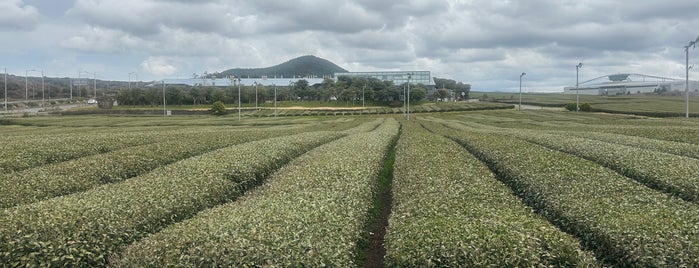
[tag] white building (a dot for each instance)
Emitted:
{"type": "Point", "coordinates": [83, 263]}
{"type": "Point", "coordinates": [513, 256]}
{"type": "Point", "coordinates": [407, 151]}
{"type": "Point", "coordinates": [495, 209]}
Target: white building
{"type": "Point", "coordinates": [227, 82]}
{"type": "Point", "coordinates": [621, 84]}
{"type": "Point", "coordinates": [397, 77]}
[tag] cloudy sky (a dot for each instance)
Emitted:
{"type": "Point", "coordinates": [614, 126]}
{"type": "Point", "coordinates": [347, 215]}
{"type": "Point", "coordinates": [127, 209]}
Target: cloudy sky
{"type": "Point", "coordinates": [486, 43]}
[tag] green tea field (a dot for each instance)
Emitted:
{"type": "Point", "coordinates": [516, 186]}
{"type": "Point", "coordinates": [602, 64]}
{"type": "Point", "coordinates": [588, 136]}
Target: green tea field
{"type": "Point", "coordinates": [501, 188]}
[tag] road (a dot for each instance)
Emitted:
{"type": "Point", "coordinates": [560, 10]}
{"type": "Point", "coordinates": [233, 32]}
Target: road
{"type": "Point", "coordinates": [37, 110]}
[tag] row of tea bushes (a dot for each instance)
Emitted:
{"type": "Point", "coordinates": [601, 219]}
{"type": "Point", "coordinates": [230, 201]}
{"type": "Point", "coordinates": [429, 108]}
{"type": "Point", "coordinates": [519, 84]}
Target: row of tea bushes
{"type": "Point", "coordinates": [20, 153]}
{"type": "Point", "coordinates": [449, 210]}
{"type": "Point", "coordinates": [670, 147]}
{"type": "Point", "coordinates": [621, 220]}
{"type": "Point", "coordinates": [81, 174]}
{"type": "Point", "coordinates": [84, 229]}
{"type": "Point", "coordinates": [308, 214]}
{"type": "Point", "coordinates": [671, 173]}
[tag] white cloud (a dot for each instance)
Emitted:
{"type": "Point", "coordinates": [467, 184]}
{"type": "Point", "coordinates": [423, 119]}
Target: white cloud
{"type": "Point", "coordinates": [16, 16]}
{"type": "Point", "coordinates": [158, 66]}
{"type": "Point", "coordinates": [482, 42]}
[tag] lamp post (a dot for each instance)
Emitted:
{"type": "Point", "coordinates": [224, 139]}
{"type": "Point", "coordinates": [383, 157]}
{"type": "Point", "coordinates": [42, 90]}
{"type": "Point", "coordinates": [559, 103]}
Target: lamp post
{"type": "Point", "coordinates": [239, 99]}
{"type": "Point", "coordinates": [26, 90]}
{"type": "Point", "coordinates": [520, 90]}
{"type": "Point", "coordinates": [42, 88]}
{"type": "Point", "coordinates": [164, 109]}
{"type": "Point", "coordinates": [577, 95]}
{"type": "Point", "coordinates": [5, 89]}
{"type": "Point", "coordinates": [130, 74]}
{"type": "Point", "coordinates": [405, 103]}
{"type": "Point", "coordinates": [408, 98]}
{"type": "Point", "coordinates": [94, 82]}
{"type": "Point", "coordinates": [256, 94]}
{"type": "Point", "coordinates": [80, 81]}
{"type": "Point", "coordinates": [692, 44]}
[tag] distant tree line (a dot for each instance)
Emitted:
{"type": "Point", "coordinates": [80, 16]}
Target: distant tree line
{"type": "Point", "coordinates": [345, 89]}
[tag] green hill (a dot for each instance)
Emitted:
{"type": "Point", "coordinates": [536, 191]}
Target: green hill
{"type": "Point", "coordinates": [304, 66]}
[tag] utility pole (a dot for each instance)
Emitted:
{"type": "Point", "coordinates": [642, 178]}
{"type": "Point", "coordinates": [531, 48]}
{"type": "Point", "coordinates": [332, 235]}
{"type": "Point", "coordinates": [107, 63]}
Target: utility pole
{"type": "Point", "coordinates": [42, 88]}
{"type": "Point", "coordinates": [577, 95]}
{"type": "Point", "coordinates": [408, 98]}
{"type": "Point", "coordinates": [5, 89]}
{"type": "Point", "coordinates": [520, 90]}
{"type": "Point", "coordinates": [363, 106]}
{"type": "Point", "coordinates": [239, 99]}
{"type": "Point", "coordinates": [692, 44]}
{"type": "Point", "coordinates": [164, 109]}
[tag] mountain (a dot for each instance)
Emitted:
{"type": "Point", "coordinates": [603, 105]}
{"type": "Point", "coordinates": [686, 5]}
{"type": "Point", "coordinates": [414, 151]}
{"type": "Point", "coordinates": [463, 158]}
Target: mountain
{"type": "Point", "coordinates": [303, 66]}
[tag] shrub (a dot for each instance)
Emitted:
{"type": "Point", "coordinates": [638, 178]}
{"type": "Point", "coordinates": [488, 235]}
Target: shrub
{"type": "Point", "coordinates": [585, 107]}
{"type": "Point", "coordinates": [218, 108]}
{"type": "Point", "coordinates": [570, 106]}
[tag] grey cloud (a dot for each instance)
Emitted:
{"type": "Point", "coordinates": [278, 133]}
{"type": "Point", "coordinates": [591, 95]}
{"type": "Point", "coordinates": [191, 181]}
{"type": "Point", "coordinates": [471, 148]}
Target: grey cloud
{"type": "Point", "coordinates": [478, 41]}
{"type": "Point", "coordinates": [17, 16]}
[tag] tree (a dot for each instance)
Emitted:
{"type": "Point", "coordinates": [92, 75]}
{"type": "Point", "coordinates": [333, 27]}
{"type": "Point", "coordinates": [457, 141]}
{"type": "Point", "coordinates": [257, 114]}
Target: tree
{"type": "Point", "coordinates": [458, 88]}
{"type": "Point", "coordinates": [441, 94]}
{"type": "Point", "coordinates": [218, 95]}
{"type": "Point", "coordinates": [418, 93]}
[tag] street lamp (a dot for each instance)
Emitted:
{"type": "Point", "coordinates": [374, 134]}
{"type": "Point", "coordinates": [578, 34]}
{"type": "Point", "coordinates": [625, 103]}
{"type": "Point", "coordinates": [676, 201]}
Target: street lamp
{"type": "Point", "coordinates": [26, 90]}
{"type": "Point", "coordinates": [275, 99]}
{"type": "Point", "coordinates": [130, 74]}
{"type": "Point", "coordinates": [256, 94]}
{"type": "Point", "coordinates": [692, 44]}
{"type": "Point", "coordinates": [42, 88]}
{"type": "Point", "coordinates": [364, 87]}
{"type": "Point", "coordinates": [164, 109]}
{"type": "Point", "coordinates": [5, 89]}
{"type": "Point", "coordinates": [408, 98]}
{"type": "Point", "coordinates": [577, 96]}
{"type": "Point", "coordinates": [239, 98]}
{"type": "Point", "coordinates": [520, 90]}
{"type": "Point", "coordinates": [94, 82]}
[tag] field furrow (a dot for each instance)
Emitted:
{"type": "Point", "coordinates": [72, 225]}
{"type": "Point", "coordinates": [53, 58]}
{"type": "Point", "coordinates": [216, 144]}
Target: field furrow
{"type": "Point", "coordinates": [449, 210]}
{"type": "Point", "coordinates": [621, 220]}
{"type": "Point", "coordinates": [84, 229]}
{"type": "Point", "coordinates": [310, 213]}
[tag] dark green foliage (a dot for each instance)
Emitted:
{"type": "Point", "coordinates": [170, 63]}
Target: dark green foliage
{"type": "Point", "coordinates": [457, 87]}
{"type": "Point", "coordinates": [417, 94]}
{"type": "Point", "coordinates": [441, 94]}
{"type": "Point", "coordinates": [585, 107]}
{"type": "Point", "coordinates": [218, 108]}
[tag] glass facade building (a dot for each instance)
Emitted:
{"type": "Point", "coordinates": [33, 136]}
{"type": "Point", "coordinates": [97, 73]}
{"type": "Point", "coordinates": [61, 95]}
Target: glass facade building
{"type": "Point", "coordinates": [398, 77]}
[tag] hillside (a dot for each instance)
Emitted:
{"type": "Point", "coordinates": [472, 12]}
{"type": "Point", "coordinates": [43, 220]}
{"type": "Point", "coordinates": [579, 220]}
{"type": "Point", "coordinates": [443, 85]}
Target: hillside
{"type": "Point", "coordinates": [302, 66]}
